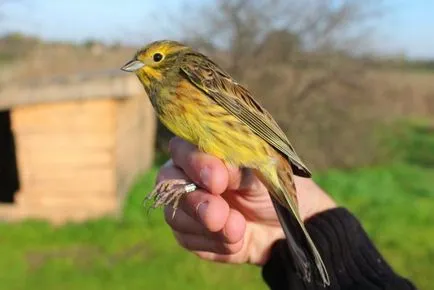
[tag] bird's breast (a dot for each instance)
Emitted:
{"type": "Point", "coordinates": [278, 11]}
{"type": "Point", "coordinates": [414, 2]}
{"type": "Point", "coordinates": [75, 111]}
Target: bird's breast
{"type": "Point", "coordinates": [192, 115]}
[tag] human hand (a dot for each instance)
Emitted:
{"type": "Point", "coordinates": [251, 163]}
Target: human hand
{"type": "Point", "coordinates": [231, 217]}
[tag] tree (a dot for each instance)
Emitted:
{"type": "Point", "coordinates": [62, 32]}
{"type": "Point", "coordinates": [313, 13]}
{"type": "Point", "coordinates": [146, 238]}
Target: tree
{"type": "Point", "coordinates": [297, 32]}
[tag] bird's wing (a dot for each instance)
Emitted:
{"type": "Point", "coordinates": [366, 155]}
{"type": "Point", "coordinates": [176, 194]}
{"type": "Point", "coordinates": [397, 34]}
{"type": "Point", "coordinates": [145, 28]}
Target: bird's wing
{"type": "Point", "coordinates": [218, 85]}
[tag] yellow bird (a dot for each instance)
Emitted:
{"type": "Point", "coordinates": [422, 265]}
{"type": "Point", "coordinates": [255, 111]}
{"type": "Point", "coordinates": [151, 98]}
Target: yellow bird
{"type": "Point", "coordinates": [201, 103]}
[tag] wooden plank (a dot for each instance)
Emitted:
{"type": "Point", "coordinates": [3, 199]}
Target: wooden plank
{"type": "Point", "coordinates": [80, 181]}
{"type": "Point", "coordinates": [101, 86]}
{"type": "Point", "coordinates": [48, 111]}
{"type": "Point", "coordinates": [34, 194]}
{"type": "Point", "coordinates": [54, 170]}
{"type": "Point", "coordinates": [68, 202]}
{"type": "Point", "coordinates": [84, 154]}
{"type": "Point", "coordinates": [28, 165]}
{"type": "Point", "coordinates": [92, 172]}
{"type": "Point", "coordinates": [65, 141]}
{"type": "Point", "coordinates": [58, 186]}
{"type": "Point", "coordinates": [89, 180]}
{"type": "Point", "coordinates": [68, 117]}
{"type": "Point", "coordinates": [95, 181]}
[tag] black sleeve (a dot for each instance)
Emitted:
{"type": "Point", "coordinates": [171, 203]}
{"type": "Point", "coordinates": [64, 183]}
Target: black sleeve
{"type": "Point", "coordinates": [351, 259]}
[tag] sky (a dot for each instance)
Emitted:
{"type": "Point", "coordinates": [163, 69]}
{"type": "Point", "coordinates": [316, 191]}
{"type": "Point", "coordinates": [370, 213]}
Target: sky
{"type": "Point", "coordinates": [406, 28]}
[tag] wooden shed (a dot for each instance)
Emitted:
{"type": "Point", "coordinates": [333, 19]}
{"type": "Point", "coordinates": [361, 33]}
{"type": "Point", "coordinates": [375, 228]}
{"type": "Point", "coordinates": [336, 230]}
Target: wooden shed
{"type": "Point", "coordinates": [71, 147]}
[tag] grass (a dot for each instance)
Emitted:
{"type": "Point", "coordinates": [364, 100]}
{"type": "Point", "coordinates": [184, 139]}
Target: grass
{"type": "Point", "coordinates": [395, 203]}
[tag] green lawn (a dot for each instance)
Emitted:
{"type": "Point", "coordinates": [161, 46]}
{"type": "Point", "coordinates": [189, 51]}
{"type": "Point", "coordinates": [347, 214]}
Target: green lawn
{"type": "Point", "coordinates": [395, 204]}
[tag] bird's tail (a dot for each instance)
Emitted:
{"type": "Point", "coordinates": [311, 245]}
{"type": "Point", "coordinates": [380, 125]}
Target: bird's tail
{"type": "Point", "coordinates": [301, 247]}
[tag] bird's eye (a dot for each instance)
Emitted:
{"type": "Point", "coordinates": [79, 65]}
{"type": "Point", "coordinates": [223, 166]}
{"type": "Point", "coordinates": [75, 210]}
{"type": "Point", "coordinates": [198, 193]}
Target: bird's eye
{"type": "Point", "coordinates": [157, 57]}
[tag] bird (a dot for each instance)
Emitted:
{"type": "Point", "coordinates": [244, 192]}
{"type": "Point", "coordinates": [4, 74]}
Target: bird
{"type": "Point", "coordinates": [201, 103]}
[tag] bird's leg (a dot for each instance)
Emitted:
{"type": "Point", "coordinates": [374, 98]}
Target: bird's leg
{"type": "Point", "coordinates": [169, 191]}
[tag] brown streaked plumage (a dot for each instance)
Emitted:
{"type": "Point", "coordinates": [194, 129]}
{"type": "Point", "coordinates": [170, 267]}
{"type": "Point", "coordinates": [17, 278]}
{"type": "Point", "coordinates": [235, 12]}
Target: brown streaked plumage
{"type": "Point", "coordinates": [201, 103]}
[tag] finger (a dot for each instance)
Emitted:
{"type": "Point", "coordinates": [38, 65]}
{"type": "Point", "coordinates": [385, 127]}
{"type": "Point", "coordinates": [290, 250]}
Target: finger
{"type": "Point", "coordinates": [182, 222]}
{"type": "Point", "coordinates": [244, 179]}
{"type": "Point", "coordinates": [235, 227]}
{"type": "Point", "coordinates": [232, 232]}
{"type": "Point", "coordinates": [202, 243]}
{"type": "Point", "coordinates": [209, 210]}
{"type": "Point", "coordinates": [204, 169]}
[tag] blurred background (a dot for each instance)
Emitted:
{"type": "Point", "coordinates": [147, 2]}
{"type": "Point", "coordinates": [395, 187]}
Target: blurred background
{"type": "Point", "coordinates": [351, 83]}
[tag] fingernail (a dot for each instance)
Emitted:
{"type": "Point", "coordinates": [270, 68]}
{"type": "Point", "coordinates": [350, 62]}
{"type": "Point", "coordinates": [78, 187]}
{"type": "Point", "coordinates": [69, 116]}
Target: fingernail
{"type": "Point", "coordinates": [201, 209]}
{"type": "Point", "coordinates": [205, 175]}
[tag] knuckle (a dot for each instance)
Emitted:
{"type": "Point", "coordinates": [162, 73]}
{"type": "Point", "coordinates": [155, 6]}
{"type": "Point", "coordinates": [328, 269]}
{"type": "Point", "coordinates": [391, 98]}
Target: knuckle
{"type": "Point", "coordinates": [228, 249]}
{"type": "Point", "coordinates": [191, 203]}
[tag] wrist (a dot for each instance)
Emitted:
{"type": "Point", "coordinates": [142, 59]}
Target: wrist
{"type": "Point", "coordinates": [259, 242]}
{"type": "Point", "coordinates": [312, 199]}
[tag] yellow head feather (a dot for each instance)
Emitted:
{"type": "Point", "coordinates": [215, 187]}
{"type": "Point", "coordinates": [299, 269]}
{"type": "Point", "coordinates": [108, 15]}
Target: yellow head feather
{"type": "Point", "coordinates": [164, 47]}
{"type": "Point", "coordinates": [155, 59]}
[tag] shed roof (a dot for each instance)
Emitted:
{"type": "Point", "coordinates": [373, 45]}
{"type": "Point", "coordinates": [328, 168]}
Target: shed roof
{"type": "Point", "coordinates": [89, 85]}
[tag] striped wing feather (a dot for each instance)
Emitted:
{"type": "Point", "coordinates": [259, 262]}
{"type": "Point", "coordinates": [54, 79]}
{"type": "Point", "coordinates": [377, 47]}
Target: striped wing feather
{"type": "Point", "coordinates": [219, 86]}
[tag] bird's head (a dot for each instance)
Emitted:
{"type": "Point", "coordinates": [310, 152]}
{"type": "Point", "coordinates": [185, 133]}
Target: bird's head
{"type": "Point", "coordinates": [152, 62]}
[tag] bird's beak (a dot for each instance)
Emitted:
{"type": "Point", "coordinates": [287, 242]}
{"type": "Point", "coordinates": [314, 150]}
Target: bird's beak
{"type": "Point", "coordinates": [132, 66]}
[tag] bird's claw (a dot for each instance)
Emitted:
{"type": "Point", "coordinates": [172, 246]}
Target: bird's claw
{"type": "Point", "coordinates": [169, 192]}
